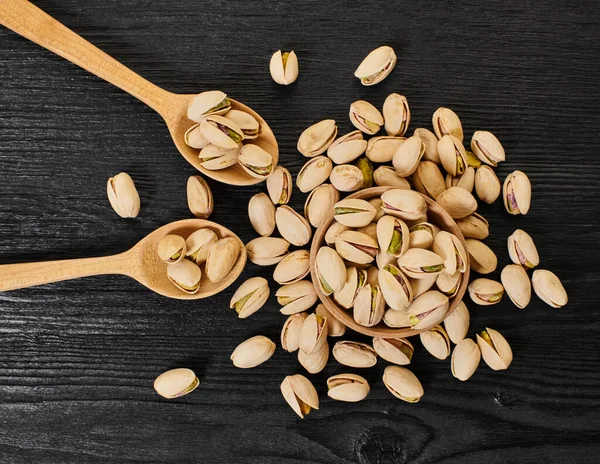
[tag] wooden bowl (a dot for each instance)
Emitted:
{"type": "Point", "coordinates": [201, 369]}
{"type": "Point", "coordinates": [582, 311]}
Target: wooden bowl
{"type": "Point", "coordinates": [436, 215]}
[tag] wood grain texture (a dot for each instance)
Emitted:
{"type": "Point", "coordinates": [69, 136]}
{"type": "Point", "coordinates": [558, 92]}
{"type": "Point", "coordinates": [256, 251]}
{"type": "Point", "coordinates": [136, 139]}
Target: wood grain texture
{"type": "Point", "coordinates": [77, 359]}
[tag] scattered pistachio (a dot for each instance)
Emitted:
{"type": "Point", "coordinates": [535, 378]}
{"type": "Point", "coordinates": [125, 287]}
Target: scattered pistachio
{"type": "Point", "coordinates": [176, 383]}
{"type": "Point", "coordinates": [199, 197]}
{"type": "Point", "coordinates": [123, 196]}
{"type": "Point", "coordinates": [284, 67]}
{"type": "Point", "coordinates": [376, 66]}
{"type": "Point", "coordinates": [252, 352]}
{"type": "Point", "coordinates": [548, 287]}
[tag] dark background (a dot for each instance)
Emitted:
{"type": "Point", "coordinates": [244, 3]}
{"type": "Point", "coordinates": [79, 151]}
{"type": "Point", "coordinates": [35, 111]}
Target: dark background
{"type": "Point", "coordinates": [77, 359]}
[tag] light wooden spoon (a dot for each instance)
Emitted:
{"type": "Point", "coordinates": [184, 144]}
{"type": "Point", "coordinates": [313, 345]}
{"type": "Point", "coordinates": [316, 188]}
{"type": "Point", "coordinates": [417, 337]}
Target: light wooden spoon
{"type": "Point", "coordinates": [140, 263]}
{"type": "Point", "coordinates": [26, 19]}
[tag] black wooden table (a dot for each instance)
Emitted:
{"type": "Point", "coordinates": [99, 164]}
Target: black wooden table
{"type": "Point", "coordinates": [77, 359]}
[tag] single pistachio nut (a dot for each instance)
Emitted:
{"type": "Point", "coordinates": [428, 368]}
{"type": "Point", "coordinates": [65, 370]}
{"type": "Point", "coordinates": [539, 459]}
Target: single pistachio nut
{"type": "Point", "coordinates": [465, 359]}
{"type": "Point", "coordinates": [452, 251]}
{"type": "Point", "coordinates": [381, 149]}
{"type": "Point", "coordinates": [395, 350]}
{"type": "Point", "coordinates": [292, 268]}
{"type": "Point", "coordinates": [355, 281]}
{"type": "Point", "coordinates": [376, 66]}
{"type": "Point", "coordinates": [335, 328]}
{"type": "Point", "coordinates": [346, 178]}
{"type": "Point", "coordinates": [300, 394]}
{"type": "Point", "coordinates": [422, 235]}
{"type": "Point", "coordinates": [221, 258]}
{"type": "Point", "coordinates": [296, 297]}
{"type": "Point", "coordinates": [395, 287]}
{"type": "Point", "coordinates": [377, 203]}
{"type": "Point", "coordinates": [369, 306]}
{"type": "Point", "coordinates": [365, 117]}
{"type": "Point", "coordinates": [449, 284]}
{"type": "Point", "coordinates": [366, 168]}
{"type": "Point", "coordinates": [320, 203]}
{"type": "Point", "coordinates": [317, 138]}
{"type": "Point", "coordinates": [487, 148]}
{"type": "Point", "coordinates": [350, 388]}
{"type": "Point", "coordinates": [333, 231]}
{"type": "Point", "coordinates": [255, 161]}
{"type": "Point", "coordinates": [372, 275]}
{"type": "Point", "coordinates": [123, 196]}
{"type": "Point", "coordinates": [347, 148]}
{"type": "Point", "coordinates": [431, 141]}
{"type": "Point", "coordinates": [428, 179]}
{"type": "Point", "coordinates": [403, 384]}
{"type": "Point", "coordinates": [396, 319]}
{"type": "Point", "coordinates": [418, 263]}
{"type": "Point", "coordinates": [176, 383]}
{"type": "Point", "coordinates": [452, 155]}
{"type": "Point", "coordinates": [330, 270]}
{"type": "Point", "coordinates": [516, 285]}
{"type": "Point", "coordinates": [353, 212]}
{"type": "Point", "coordinates": [446, 122]}
{"type": "Point", "coordinates": [474, 226]}
{"type": "Point", "coordinates": [522, 250]}
{"type": "Point", "coordinates": [356, 247]}
{"type": "Point", "coordinates": [250, 296]}
{"type": "Point", "coordinates": [485, 292]}
{"type": "Point", "coordinates": [193, 137]}
{"type": "Point", "coordinates": [472, 160]}
{"type": "Point", "coordinates": [205, 103]}
{"type": "Point", "coordinates": [407, 157]}
{"type": "Point", "coordinates": [404, 204]}
{"type": "Point", "coordinates": [313, 334]}
{"type": "Point", "coordinates": [284, 67]}
{"type": "Point", "coordinates": [266, 251]}
{"type": "Point", "coordinates": [396, 114]}
{"type": "Point", "coordinates": [457, 323]}
{"type": "Point", "coordinates": [292, 227]}
{"type": "Point", "coordinates": [199, 243]}
{"type": "Point", "coordinates": [393, 235]}
{"type": "Point", "coordinates": [261, 213]}
{"type": "Point", "coordinates": [199, 197]}
{"type": "Point", "coordinates": [428, 310]}
{"type": "Point", "coordinates": [252, 352]}
{"type": "Point", "coordinates": [290, 332]}
{"type": "Point", "coordinates": [548, 287]}
{"type": "Point", "coordinates": [487, 184]}
{"type": "Point", "coordinates": [495, 350]}
{"type": "Point", "coordinates": [171, 248]}
{"type": "Point", "coordinates": [221, 132]}
{"type": "Point", "coordinates": [314, 173]}
{"type": "Point", "coordinates": [466, 180]}
{"type": "Point", "coordinates": [457, 202]}
{"type": "Point", "coordinates": [385, 176]}
{"type": "Point", "coordinates": [185, 275]}
{"type": "Point", "coordinates": [214, 158]}
{"type": "Point", "coordinates": [483, 259]}
{"type": "Point", "coordinates": [314, 362]}
{"type": "Point", "coordinates": [516, 193]}
{"type": "Point", "coordinates": [248, 123]}
{"type": "Point", "coordinates": [279, 186]}
{"type": "Point", "coordinates": [354, 354]}
{"type": "Point", "coordinates": [420, 286]}
{"type": "Point", "coordinates": [436, 341]}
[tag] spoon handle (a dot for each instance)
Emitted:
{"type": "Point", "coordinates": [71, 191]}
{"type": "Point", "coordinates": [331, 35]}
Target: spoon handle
{"type": "Point", "coordinates": [27, 20]}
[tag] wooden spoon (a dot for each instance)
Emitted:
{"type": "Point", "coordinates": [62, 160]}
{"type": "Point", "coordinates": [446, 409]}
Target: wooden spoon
{"type": "Point", "coordinates": [26, 19]}
{"type": "Point", "coordinates": [140, 263]}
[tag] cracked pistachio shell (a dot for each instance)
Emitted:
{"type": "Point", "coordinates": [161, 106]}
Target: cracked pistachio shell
{"type": "Point", "coordinates": [396, 319]}
{"type": "Point", "coordinates": [403, 384]}
{"type": "Point", "coordinates": [199, 197]}
{"type": "Point", "coordinates": [495, 350]}
{"type": "Point", "coordinates": [171, 248]}
{"type": "Point", "coordinates": [369, 306]}
{"type": "Point", "coordinates": [548, 287]}
{"type": "Point", "coordinates": [350, 388]}
{"type": "Point", "coordinates": [252, 352]}
{"type": "Point", "coordinates": [316, 139]}
{"type": "Point", "coordinates": [451, 250]}
{"type": "Point", "coordinates": [123, 196]}
{"type": "Point", "coordinates": [395, 350]}
{"type": "Point", "coordinates": [474, 226]}
{"type": "Point", "coordinates": [466, 180]}
{"type": "Point", "coordinates": [185, 275]}
{"type": "Point", "coordinates": [205, 103]}
{"type": "Point", "coordinates": [266, 251]}
{"type": "Point", "coordinates": [457, 202]}
{"type": "Point", "coordinates": [428, 179]}
{"type": "Point", "coordinates": [354, 354]}
{"type": "Point", "coordinates": [483, 259]}
{"type": "Point", "coordinates": [292, 268]}
{"type": "Point", "coordinates": [395, 287]}
{"type": "Point", "coordinates": [176, 383]}
{"type": "Point", "coordinates": [396, 114]}
{"type": "Point", "coordinates": [516, 193]}
{"type": "Point", "coordinates": [431, 141]}
{"type": "Point", "coordinates": [452, 155]}
{"type": "Point", "coordinates": [330, 270]}
{"type": "Point", "coordinates": [319, 204]}
{"type": "Point", "coordinates": [420, 286]}
{"type": "Point", "coordinates": [377, 204]}
{"type": "Point", "coordinates": [284, 67]}
{"type": "Point", "coordinates": [313, 334]}
{"type": "Point", "coordinates": [356, 247]}
{"type": "Point", "coordinates": [418, 263]}
{"type": "Point", "coordinates": [346, 178]}
{"type": "Point", "coordinates": [314, 362]}
{"type": "Point", "coordinates": [428, 309]}
{"type": "Point", "coordinates": [365, 117]}
{"type": "Point", "coordinates": [436, 341]}
{"type": "Point", "coordinates": [446, 122]}
{"type": "Point", "coordinates": [407, 157]}
{"type": "Point", "coordinates": [404, 204]}
{"type": "Point", "coordinates": [292, 227]}
{"type": "Point", "coordinates": [221, 258]}
{"type": "Point", "coordinates": [199, 243]}
{"type": "Point", "coordinates": [334, 327]}
{"type": "Point", "coordinates": [487, 184]}
{"type": "Point", "coordinates": [487, 148]}
{"type": "Point", "coordinates": [393, 235]}
{"type": "Point", "coordinates": [215, 158]}
{"type": "Point", "coordinates": [290, 332]}
{"type": "Point", "coordinates": [300, 394]}
{"type": "Point", "coordinates": [248, 123]}
{"type": "Point", "coordinates": [333, 231]}
{"type": "Point", "coordinates": [448, 284]}
{"type": "Point", "coordinates": [353, 212]}
{"type": "Point", "coordinates": [485, 292]}
{"type": "Point", "coordinates": [422, 235]}
{"type": "Point", "coordinates": [296, 297]}
{"type": "Point", "coordinates": [255, 161]}
{"type": "Point", "coordinates": [376, 66]}
{"type": "Point", "coordinates": [457, 323]}
{"type": "Point", "coordinates": [522, 250]}
{"type": "Point", "coordinates": [385, 176]}
{"type": "Point", "coordinates": [250, 296]}
{"type": "Point", "coordinates": [279, 186]}
{"type": "Point", "coordinates": [347, 148]}
{"type": "Point", "coordinates": [314, 173]}
{"type": "Point", "coordinates": [355, 281]}
{"type": "Point", "coordinates": [381, 149]}
{"type": "Point", "coordinates": [465, 359]}
{"type": "Point", "coordinates": [193, 137]}
{"type": "Point", "coordinates": [221, 132]}
{"type": "Point", "coordinates": [516, 285]}
{"type": "Point", "coordinates": [366, 168]}
{"type": "Point", "coordinates": [261, 212]}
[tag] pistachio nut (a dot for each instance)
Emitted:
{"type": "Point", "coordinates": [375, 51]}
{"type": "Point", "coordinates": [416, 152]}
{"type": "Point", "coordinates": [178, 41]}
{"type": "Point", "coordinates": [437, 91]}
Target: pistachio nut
{"type": "Point", "coordinates": [377, 203]}
{"type": "Point", "coordinates": [428, 179]}
{"type": "Point", "coordinates": [465, 359]}
{"type": "Point", "coordinates": [466, 180]}
{"type": "Point", "coordinates": [290, 332]}
{"type": "Point", "coordinates": [381, 149]}
{"type": "Point", "coordinates": [356, 247]}
{"type": "Point", "coordinates": [314, 173]}
{"type": "Point", "coordinates": [284, 67]}
{"type": "Point", "coordinates": [522, 250]}
{"type": "Point", "coordinates": [319, 204]}
{"type": "Point", "coordinates": [185, 275]}
{"type": "Point", "coordinates": [457, 323]}
{"type": "Point", "coordinates": [452, 251]}
{"type": "Point", "coordinates": [314, 362]}
{"type": "Point", "coordinates": [292, 268]}
{"type": "Point", "coordinates": [446, 122]}
{"type": "Point", "coordinates": [383, 259]}
{"type": "Point", "coordinates": [353, 212]}
{"type": "Point", "coordinates": [548, 287]}
{"type": "Point", "coordinates": [474, 226]}
{"type": "Point", "coordinates": [266, 251]}
{"type": "Point", "coordinates": [516, 193]}
{"type": "Point", "coordinates": [495, 350]}
{"type": "Point", "coordinates": [346, 178]}
{"type": "Point", "coordinates": [436, 341]}
{"type": "Point", "coordinates": [449, 284]}
{"type": "Point", "coordinates": [330, 270]}
{"type": "Point", "coordinates": [300, 394]}
{"type": "Point", "coordinates": [376, 66]}
{"type": "Point", "coordinates": [248, 123]}
{"type": "Point", "coordinates": [347, 148]}
{"type": "Point", "coordinates": [370, 230]}
{"type": "Point", "coordinates": [350, 388]}
{"type": "Point", "coordinates": [428, 309]}
{"type": "Point", "coordinates": [221, 132]}
{"type": "Point", "coordinates": [420, 286]}
{"type": "Point", "coordinates": [296, 297]}
{"type": "Point", "coordinates": [123, 196]}
{"type": "Point", "coordinates": [452, 155]}
{"type": "Point", "coordinates": [292, 227]}
{"type": "Point", "coordinates": [457, 202]}
{"type": "Point", "coordinates": [405, 204]}
{"type": "Point", "coordinates": [403, 384]}
{"type": "Point", "coordinates": [252, 352]}
{"type": "Point", "coordinates": [198, 245]}
{"type": "Point", "coordinates": [407, 157]}
{"type": "Point", "coordinates": [193, 137]}
{"type": "Point", "coordinates": [205, 103]}
{"type": "Point", "coordinates": [396, 114]}
{"type": "Point", "coordinates": [485, 291]}
{"type": "Point", "coordinates": [334, 327]}
{"type": "Point", "coordinates": [393, 235]}
{"type": "Point", "coordinates": [176, 383]}
{"type": "Point", "coordinates": [365, 117]}
{"type": "Point", "coordinates": [279, 186]}
{"type": "Point", "coordinates": [396, 319]}
{"type": "Point", "coordinates": [221, 258]}
{"type": "Point", "coordinates": [395, 287]}
{"type": "Point", "coordinates": [472, 160]}
{"type": "Point", "coordinates": [261, 212]}
{"type": "Point", "coordinates": [516, 285]}
{"type": "Point", "coordinates": [354, 354]}
{"type": "Point", "coordinates": [355, 281]}
{"type": "Point", "coordinates": [487, 148]}
{"type": "Point", "coordinates": [369, 306]}
{"type": "Point", "coordinates": [385, 176]}
{"type": "Point", "coordinates": [199, 197]}
{"type": "Point", "coordinates": [431, 141]}
{"type": "Point", "coordinates": [487, 184]}
{"type": "Point", "coordinates": [214, 158]}
{"type": "Point", "coordinates": [255, 161]}
{"type": "Point", "coordinates": [483, 259]}
{"type": "Point", "coordinates": [171, 248]}
{"type": "Point", "coordinates": [395, 350]}
{"type": "Point", "coordinates": [366, 168]}
{"type": "Point", "coordinates": [372, 275]}
{"type": "Point", "coordinates": [422, 235]}
{"type": "Point", "coordinates": [333, 231]}
{"type": "Point", "coordinates": [250, 296]}
{"type": "Point", "coordinates": [418, 263]}
{"type": "Point", "coordinates": [317, 138]}
{"type": "Point", "coordinates": [313, 334]}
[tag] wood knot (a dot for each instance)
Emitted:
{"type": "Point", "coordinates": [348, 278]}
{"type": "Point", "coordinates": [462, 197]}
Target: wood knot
{"type": "Point", "coordinates": [381, 445]}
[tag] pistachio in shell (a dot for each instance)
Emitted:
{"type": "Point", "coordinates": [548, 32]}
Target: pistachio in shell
{"type": "Point", "coordinates": [300, 394]}
{"type": "Point", "coordinates": [395, 287]}
{"type": "Point", "coordinates": [483, 259]}
{"type": "Point", "coordinates": [446, 122]}
{"type": "Point", "coordinates": [487, 148]}
{"type": "Point", "coordinates": [346, 178]}
{"type": "Point", "coordinates": [495, 350]}
{"type": "Point", "coordinates": [279, 186]}
{"type": "Point", "coordinates": [376, 66]}
{"type": "Point", "coordinates": [347, 148]}
{"type": "Point", "coordinates": [215, 158]}
{"type": "Point", "coordinates": [171, 248]}
{"type": "Point", "coordinates": [261, 213]}
{"type": "Point", "coordinates": [250, 296]}
{"type": "Point", "coordinates": [221, 258]}
{"type": "Point", "coordinates": [418, 263]}
{"type": "Point", "coordinates": [452, 155]}
{"type": "Point", "coordinates": [330, 270]}
{"type": "Point", "coordinates": [403, 384]}
{"type": "Point", "coordinates": [396, 114]}
{"type": "Point", "coordinates": [516, 193]}
{"type": "Point", "coordinates": [176, 383]}
{"type": "Point", "coordinates": [449, 284]}
{"type": "Point", "coordinates": [193, 137]}
{"type": "Point", "coordinates": [296, 297]}
{"type": "Point", "coordinates": [292, 226]}
{"type": "Point", "coordinates": [335, 328]}
{"type": "Point", "coordinates": [420, 286]}
{"type": "Point", "coordinates": [436, 342]}
{"type": "Point", "coordinates": [284, 67]}
{"type": "Point", "coordinates": [313, 334]}
{"type": "Point", "coordinates": [369, 306]}
{"type": "Point", "coordinates": [353, 212]}
{"type": "Point", "coordinates": [457, 323]}
{"type": "Point", "coordinates": [266, 251]}
{"type": "Point", "coordinates": [316, 139]}
{"type": "Point", "coordinates": [516, 285]}
{"type": "Point", "coordinates": [422, 235]}
{"type": "Point", "coordinates": [385, 176]}
{"type": "Point", "coordinates": [428, 179]}
{"type": "Point", "coordinates": [185, 275]}
{"type": "Point", "coordinates": [522, 249]}
{"type": "Point", "coordinates": [314, 362]}
{"type": "Point", "coordinates": [292, 268]}
{"type": "Point", "coordinates": [252, 352]}
{"type": "Point", "coordinates": [452, 251]}
{"type": "Point", "coordinates": [123, 196]}
{"type": "Point", "coordinates": [487, 185]}
{"type": "Point", "coordinates": [393, 235]}
{"type": "Point", "coordinates": [255, 161]}
{"type": "Point", "coordinates": [428, 309]}
{"type": "Point", "coordinates": [465, 359]}
{"type": "Point", "coordinates": [198, 245]}
{"type": "Point", "coordinates": [404, 204]}
{"type": "Point", "coordinates": [548, 287]}
{"type": "Point", "coordinates": [320, 203]}
{"type": "Point", "coordinates": [205, 103]}
{"type": "Point", "coordinates": [457, 202]}
{"type": "Point", "coordinates": [356, 247]}
{"type": "Point", "coordinates": [466, 180]}
{"type": "Point", "coordinates": [333, 231]}
{"type": "Point", "coordinates": [350, 388]}
{"type": "Point", "coordinates": [395, 350]}
{"type": "Point", "coordinates": [199, 197]}
{"type": "Point", "coordinates": [474, 226]}
{"type": "Point", "coordinates": [381, 149]}
{"type": "Point", "coordinates": [245, 121]}
{"type": "Point", "coordinates": [396, 319]}
{"type": "Point", "coordinates": [355, 281]}
{"type": "Point", "coordinates": [431, 141]}
{"type": "Point", "coordinates": [354, 354]}
{"type": "Point", "coordinates": [485, 292]}
{"type": "Point", "coordinates": [314, 173]}
{"type": "Point", "coordinates": [221, 132]}
{"type": "Point", "coordinates": [365, 117]}
{"type": "Point", "coordinates": [290, 332]}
